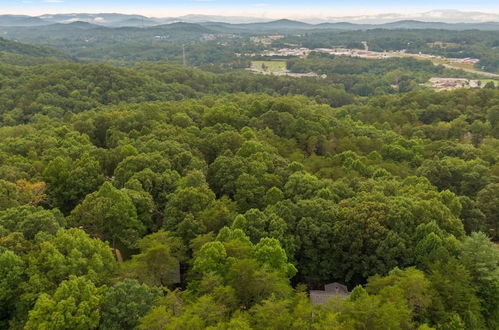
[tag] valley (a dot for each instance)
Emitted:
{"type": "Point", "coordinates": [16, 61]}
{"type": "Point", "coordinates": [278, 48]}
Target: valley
{"type": "Point", "coordinates": [210, 171]}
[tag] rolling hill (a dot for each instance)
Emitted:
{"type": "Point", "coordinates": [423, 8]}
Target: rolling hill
{"type": "Point", "coordinates": [223, 23]}
{"type": "Point", "coordinates": [16, 53]}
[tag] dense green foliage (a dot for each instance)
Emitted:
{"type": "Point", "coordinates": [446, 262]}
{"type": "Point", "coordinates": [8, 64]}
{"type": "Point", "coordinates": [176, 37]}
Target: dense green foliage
{"type": "Point", "coordinates": [210, 43]}
{"type": "Point", "coordinates": [459, 44]}
{"type": "Point", "coordinates": [367, 77]}
{"type": "Point", "coordinates": [12, 52]}
{"type": "Point", "coordinates": [162, 197]}
{"type": "Point", "coordinates": [55, 90]}
{"type": "Point", "coordinates": [29, 50]}
{"type": "Point", "coordinates": [89, 42]}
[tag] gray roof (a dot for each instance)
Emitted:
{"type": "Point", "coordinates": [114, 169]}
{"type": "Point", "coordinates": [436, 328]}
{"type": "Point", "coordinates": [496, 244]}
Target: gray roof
{"type": "Point", "coordinates": [331, 290]}
{"type": "Point", "coordinates": [336, 287]}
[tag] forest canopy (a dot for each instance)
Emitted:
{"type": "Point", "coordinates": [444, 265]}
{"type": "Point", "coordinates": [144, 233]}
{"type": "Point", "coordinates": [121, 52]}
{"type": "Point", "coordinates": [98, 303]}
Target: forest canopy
{"type": "Point", "coordinates": [159, 196]}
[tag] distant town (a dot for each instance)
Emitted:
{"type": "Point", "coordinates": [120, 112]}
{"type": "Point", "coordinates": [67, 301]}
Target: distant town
{"type": "Point", "coordinates": [278, 68]}
{"type": "Point", "coordinates": [352, 52]}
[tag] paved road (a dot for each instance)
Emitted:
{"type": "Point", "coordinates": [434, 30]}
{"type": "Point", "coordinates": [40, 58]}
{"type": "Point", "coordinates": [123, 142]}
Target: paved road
{"type": "Point", "coordinates": [483, 73]}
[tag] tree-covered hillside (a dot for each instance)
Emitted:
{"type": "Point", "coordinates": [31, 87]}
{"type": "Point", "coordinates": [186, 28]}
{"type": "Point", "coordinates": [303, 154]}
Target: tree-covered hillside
{"type": "Point", "coordinates": [58, 89]}
{"type": "Point", "coordinates": [12, 52]}
{"type": "Point", "coordinates": [456, 44]}
{"type": "Point", "coordinates": [163, 197]}
{"type": "Point", "coordinates": [214, 42]}
{"type": "Point", "coordinates": [29, 50]}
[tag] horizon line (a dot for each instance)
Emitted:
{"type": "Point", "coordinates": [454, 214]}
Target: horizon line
{"type": "Point", "coordinates": [267, 15]}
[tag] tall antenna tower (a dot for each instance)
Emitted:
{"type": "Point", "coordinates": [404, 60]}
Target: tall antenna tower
{"type": "Point", "coordinates": [184, 61]}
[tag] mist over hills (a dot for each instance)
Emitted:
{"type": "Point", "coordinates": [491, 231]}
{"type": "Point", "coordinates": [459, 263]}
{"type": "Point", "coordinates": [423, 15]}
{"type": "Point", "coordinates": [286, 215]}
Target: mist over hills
{"type": "Point", "coordinates": [123, 39]}
{"type": "Point", "coordinates": [446, 19]}
{"type": "Point", "coordinates": [8, 22]}
{"type": "Point", "coordinates": [444, 16]}
{"type": "Point", "coordinates": [117, 20]}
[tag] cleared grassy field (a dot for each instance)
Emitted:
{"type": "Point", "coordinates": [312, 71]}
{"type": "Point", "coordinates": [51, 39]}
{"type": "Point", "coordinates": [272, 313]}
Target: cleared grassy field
{"type": "Point", "coordinates": [441, 44]}
{"type": "Point", "coordinates": [437, 61]}
{"type": "Point", "coordinates": [269, 66]}
{"type": "Point", "coordinates": [465, 66]}
{"type": "Point", "coordinates": [485, 81]}
{"type": "Point", "coordinates": [468, 67]}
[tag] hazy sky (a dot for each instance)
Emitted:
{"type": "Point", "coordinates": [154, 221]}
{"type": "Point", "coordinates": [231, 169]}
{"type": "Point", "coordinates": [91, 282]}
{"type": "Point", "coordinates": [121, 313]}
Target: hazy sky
{"type": "Point", "coordinates": [265, 8]}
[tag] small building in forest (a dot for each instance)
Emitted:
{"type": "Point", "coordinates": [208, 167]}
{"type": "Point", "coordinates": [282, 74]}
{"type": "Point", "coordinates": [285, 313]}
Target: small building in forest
{"type": "Point", "coordinates": [175, 274]}
{"type": "Point", "coordinates": [330, 290]}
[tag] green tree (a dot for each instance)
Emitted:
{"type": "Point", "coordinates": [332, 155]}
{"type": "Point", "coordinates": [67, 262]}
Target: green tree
{"type": "Point", "coordinates": [11, 276]}
{"type": "Point", "coordinates": [473, 218]}
{"type": "Point", "coordinates": [74, 305]}
{"type": "Point", "coordinates": [68, 182]}
{"type": "Point", "coordinates": [211, 258]}
{"type": "Point", "coordinates": [415, 288]}
{"type": "Point", "coordinates": [269, 252]}
{"type": "Point", "coordinates": [125, 303]}
{"type": "Point", "coordinates": [273, 195]}
{"type": "Point", "coordinates": [488, 202]}
{"type": "Point", "coordinates": [157, 264]}
{"type": "Point", "coordinates": [68, 252]}
{"type": "Point", "coordinates": [481, 259]}
{"type": "Point", "coordinates": [454, 294]}
{"type": "Point", "coordinates": [187, 201]}
{"type": "Point", "coordinates": [224, 172]}
{"type": "Point", "coordinates": [147, 213]}
{"type": "Point", "coordinates": [459, 176]}
{"type": "Point", "coordinates": [254, 223]}
{"type": "Point", "coordinates": [387, 310]}
{"type": "Point", "coordinates": [109, 214]}
{"type": "Point", "coordinates": [314, 233]}
{"type": "Point", "coordinates": [8, 195]}
{"type": "Point", "coordinates": [272, 314]}
{"type": "Point", "coordinates": [218, 214]}
{"type": "Point", "coordinates": [357, 237]}
{"type": "Point", "coordinates": [302, 185]}
{"type": "Point", "coordinates": [249, 192]}
{"type": "Point", "coordinates": [31, 220]}
{"type": "Point", "coordinates": [493, 118]}
{"type": "Point", "coordinates": [254, 284]}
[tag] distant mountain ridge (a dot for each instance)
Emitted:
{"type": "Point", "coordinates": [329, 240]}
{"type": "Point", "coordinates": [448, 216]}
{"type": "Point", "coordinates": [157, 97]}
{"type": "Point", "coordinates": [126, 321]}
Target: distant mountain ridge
{"type": "Point", "coordinates": [117, 19]}
{"type": "Point", "coordinates": [21, 20]}
{"type": "Point", "coordinates": [217, 23]}
{"type": "Point", "coordinates": [442, 15]}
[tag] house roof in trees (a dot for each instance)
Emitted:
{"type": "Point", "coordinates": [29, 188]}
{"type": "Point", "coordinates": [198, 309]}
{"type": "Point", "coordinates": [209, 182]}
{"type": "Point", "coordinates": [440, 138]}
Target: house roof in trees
{"type": "Point", "coordinates": [330, 290]}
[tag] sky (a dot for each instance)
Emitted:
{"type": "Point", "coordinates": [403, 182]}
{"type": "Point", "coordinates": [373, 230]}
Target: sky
{"type": "Point", "coordinates": [261, 8]}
